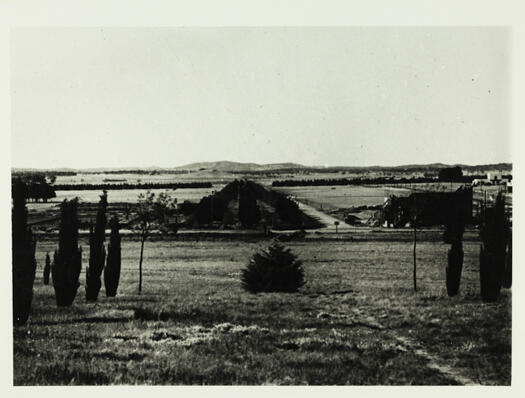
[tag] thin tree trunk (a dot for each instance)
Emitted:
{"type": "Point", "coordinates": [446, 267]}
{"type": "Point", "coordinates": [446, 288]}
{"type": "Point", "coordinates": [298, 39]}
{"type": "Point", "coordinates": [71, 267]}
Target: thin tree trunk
{"type": "Point", "coordinates": [415, 239]}
{"type": "Point", "coordinates": [140, 263]}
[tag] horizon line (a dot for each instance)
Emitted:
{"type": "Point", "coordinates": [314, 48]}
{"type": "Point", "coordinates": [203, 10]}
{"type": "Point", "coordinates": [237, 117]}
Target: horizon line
{"type": "Point", "coordinates": [326, 166]}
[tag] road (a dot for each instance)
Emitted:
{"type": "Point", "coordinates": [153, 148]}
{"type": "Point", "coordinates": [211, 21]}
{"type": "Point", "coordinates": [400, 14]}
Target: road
{"type": "Point", "coordinates": [326, 219]}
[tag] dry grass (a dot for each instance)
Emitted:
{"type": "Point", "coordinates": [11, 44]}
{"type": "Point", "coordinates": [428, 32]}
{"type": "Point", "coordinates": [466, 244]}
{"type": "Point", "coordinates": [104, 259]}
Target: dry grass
{"type": "Point", "coordinates": [194, 324]}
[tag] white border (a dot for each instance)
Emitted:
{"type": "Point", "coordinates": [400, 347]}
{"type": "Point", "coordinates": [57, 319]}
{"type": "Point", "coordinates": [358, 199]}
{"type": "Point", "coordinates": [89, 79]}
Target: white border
{"type": "Point", "coordinates": [264, 13]}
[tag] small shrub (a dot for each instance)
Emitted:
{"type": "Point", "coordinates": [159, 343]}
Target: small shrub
{"type": "Point", "coordinates": [275, 269]}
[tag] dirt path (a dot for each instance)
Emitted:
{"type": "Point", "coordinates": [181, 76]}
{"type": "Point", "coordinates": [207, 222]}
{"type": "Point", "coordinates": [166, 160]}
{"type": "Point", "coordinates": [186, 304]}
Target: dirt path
{"type": "Point", "coordinates": [364, 318]}
{"type": "Point", "coordinates": [434, 362]}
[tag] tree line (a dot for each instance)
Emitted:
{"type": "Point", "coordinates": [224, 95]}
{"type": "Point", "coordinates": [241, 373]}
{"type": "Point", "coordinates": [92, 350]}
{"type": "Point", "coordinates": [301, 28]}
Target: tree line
{"type": "Point", "coordinates": [49, 174]}
{"type": "Point", "coordinates": [36, 186]}
{"type": "Point", "coordinates": [366, 181]}
{"type": "Point", "coordinates": [148, 185]}
{"type": "Point", "coordinates": [138, 171]}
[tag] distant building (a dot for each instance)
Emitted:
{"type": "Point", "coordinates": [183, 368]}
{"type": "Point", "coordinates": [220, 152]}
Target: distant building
{"type": "Point", "coordinates": [493, 177]}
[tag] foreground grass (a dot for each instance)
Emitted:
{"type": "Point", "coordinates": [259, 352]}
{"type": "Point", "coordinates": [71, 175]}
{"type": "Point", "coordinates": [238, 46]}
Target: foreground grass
{"type": "Point", "coordinates": [194, 324]}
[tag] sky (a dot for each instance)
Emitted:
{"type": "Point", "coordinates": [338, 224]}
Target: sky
{"type": "Point", "coordinates": [352, 96]}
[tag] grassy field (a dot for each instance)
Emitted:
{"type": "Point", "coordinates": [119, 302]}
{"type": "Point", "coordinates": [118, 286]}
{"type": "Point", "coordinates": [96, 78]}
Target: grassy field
{"type": "Point", "coordinates": [346, 196]}
{"type": "Point", "coordinates": [356, 321]}
{"type": "Point", "coordinates": [131, 195]}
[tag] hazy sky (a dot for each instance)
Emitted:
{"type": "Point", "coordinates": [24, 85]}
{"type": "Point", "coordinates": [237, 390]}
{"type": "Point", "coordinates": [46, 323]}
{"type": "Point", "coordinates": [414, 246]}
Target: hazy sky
{"type": "Point", "coordinates": [119, 97]}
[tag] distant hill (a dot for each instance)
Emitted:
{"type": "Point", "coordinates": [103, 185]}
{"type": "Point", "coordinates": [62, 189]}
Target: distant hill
{"type": "Point", "coordinates": [225, 165]}
{"type": "Point", "coordinates": [236, 167]}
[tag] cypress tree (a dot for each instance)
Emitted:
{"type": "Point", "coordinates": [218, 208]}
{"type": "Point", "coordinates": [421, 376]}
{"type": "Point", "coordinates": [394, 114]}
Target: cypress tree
{"type": "Point", "coordinates": [455, 257]}
{"type": "Point", "coordinates": [458, 213]}
{"type": "Point", "coordinates": [47, 269]}
{"type": "Point", "coordinates": [494, 232]}
{"type": "Point", "coordinates": [67, 261]}
{"type": "Point", "coordinates": [23, 252]}
{"type": "Point", "coordinates": [97, 252]}
{"type": "Point", "coordinates": [507, 276]}
{"type": "Point", "coordinates": [112, 269]}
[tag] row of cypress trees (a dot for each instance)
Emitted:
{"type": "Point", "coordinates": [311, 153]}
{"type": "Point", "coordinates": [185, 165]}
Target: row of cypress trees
{"type": "Point", "coordinates": [67, 263]}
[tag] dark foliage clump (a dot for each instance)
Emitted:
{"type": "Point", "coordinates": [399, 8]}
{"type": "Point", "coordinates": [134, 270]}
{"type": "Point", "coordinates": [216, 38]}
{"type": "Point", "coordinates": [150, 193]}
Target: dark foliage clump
{"type": "Point", "coordinates": [23, 252]}
{"type": "Point", "coordinates": [36, 186]}
{"type": "Point", "coordinates": [494, 233]}
{"type": "Point", "coordinates": [454, 268]}
{"type": "Point", "coordinates": [450, 174]}
{"type": "Point", "coordinates": [456, 217]}
{"type": "Point", "coordinates": [211, 208]}
{"type": "Point", "coordinates": [97, 252]}
{"type": "Point", "coordinates": [275, 269]}
{"type": "Point", "coordinates": [288, 210]}
{"type": "Point", "coordinates": [67, 262]}
{"type": "Point", "coordinates": [507, 275]}
{"type": "Point", "coordinates": [112, 270]}
{"type": "Point", "coordinates": [249, 212]}
{"type": "Point", "coordinates": [47, 269]}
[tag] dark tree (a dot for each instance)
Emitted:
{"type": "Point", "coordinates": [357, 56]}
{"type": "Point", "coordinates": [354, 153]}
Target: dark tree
{"type": "Point", "coordinates": [507, 275]}
{"type": "Point", "coordinates": [456, 216]}
{"type": "Point", "coordinates": [67, 262]}
{"type": "Point", "coordinates": [47, 269]}
{"type": "Point", "coordinates": [23, 252]}
{"type": "Point", "coordinates": [112, 270]}
{"type": "Point", "coordinates": [97, 252]}
{"type": "Point", "coordinates": [36, 187]}
{"type": "Point", "coordinates": [450, 174]}
{"type": "Point", "coordinates": [249, 213]}
{"type": "Point", "coordinates": [288, 210]}
{"type": "Point", "coordinates": [454, 236]}
{"type": "Point", "coordinates": [210, 208]}
{"type": "Point", "coordinates": [275, 269]}
{"type": "Point", "coordinates": [494, 233]}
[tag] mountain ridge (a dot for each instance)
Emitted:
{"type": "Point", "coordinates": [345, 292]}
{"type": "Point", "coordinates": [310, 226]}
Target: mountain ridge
{"type": "Point", "coordinates": [225, 165]}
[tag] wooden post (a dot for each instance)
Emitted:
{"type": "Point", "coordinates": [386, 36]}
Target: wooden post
{"type": "Point", "coordinates": [140, 263]}
{"type": "Point", "coordinates": [415, 264]}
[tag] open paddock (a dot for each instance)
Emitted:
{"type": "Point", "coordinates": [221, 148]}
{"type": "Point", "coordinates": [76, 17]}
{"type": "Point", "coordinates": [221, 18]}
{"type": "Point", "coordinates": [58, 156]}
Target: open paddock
{"type": "Point", "coordinates": [342, 197]}
{"type": "Point", "coordinates": [356, 321]}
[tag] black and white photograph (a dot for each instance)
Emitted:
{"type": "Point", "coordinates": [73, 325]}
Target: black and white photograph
{"type": "Point", "coordinates": [270, 205]}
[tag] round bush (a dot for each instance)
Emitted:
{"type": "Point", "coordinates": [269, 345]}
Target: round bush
{"type": "Point", "coordinates": [275, 269]}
